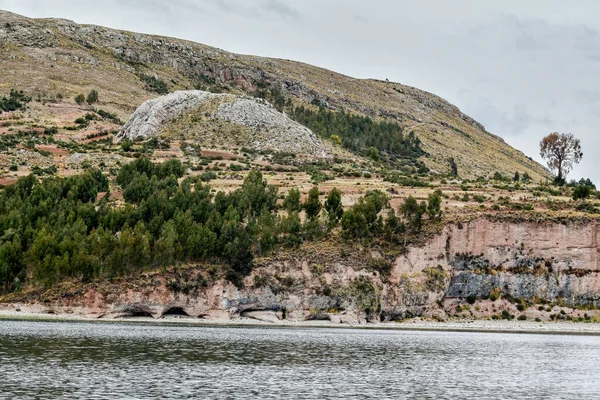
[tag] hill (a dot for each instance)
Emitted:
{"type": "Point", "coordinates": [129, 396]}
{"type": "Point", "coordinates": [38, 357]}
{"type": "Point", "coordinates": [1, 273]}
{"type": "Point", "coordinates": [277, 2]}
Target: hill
{"type": "Point", "coordinates": [54, 59]}
{"type": "Point", "coordinates": [143, 175]}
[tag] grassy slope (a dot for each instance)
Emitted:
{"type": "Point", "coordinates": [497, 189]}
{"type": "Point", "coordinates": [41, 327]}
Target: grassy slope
{"type": "Point", "coordinates": [56, 56]}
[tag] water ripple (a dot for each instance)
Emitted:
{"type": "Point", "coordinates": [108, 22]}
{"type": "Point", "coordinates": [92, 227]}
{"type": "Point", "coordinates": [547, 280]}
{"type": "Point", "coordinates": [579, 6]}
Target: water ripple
{"type": "Point", "coordinates": [140, 361]}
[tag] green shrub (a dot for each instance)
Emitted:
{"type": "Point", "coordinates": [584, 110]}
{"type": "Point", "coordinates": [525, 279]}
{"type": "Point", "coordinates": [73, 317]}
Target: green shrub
{"type": "Point", "coordinates": [581, 192]}
{"type": "Point", "coordinates": [92, 97]}
{"type": "Point", "coordinates": [495, 294]}
{"type": "Point", "coordinates": [154, 84]}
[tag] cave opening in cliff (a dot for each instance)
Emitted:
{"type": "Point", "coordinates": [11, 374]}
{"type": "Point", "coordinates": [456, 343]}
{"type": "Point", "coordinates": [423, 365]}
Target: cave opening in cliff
{"type": "Point", "coordinates": [176, 311]}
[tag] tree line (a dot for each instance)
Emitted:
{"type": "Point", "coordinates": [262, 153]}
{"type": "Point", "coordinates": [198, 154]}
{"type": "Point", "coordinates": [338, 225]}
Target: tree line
{"type": "Point", "coordinates": [357, 133]}
{"type": "Point", "coordinates": [57, 228]}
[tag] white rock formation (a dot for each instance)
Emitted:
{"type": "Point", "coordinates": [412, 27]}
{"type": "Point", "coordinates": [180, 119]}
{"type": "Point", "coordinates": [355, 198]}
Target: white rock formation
{"type": "Point", "coordinates": [279, 131]}
{"type": "Point", "coordinates": [152, 115]}
{"type": "Point", "coordinates": [271, 129]}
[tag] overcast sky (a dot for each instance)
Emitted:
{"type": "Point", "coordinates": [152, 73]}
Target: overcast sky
{"type": "Point", "coordinates": [523, 68]}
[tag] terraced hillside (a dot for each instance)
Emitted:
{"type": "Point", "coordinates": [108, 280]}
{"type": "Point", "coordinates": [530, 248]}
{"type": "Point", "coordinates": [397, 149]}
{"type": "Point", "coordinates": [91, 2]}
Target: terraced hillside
{"type": "Point", "coordinates": [53, 60]}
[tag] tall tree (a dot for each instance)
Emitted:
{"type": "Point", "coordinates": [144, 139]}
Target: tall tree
{"type": "Point", "coordinates": [292, 200]}
{"type": "Point", "coordinates": [333, 205]}
{"type": "Point", "coordinates": [312, 204]}
{"type": "Point", "coordinates": [561, 151]}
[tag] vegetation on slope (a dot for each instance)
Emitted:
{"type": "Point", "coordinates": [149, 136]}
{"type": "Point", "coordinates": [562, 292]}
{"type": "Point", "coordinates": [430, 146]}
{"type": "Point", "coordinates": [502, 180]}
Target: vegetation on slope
{"type": "Point", "coordinates": [86, 57]}
{"type": "Point", "coordinates": [56, 228]}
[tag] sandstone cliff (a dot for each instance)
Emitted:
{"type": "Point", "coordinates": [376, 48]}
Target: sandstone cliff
{"type": "Point", "coordinates": [477, 269]}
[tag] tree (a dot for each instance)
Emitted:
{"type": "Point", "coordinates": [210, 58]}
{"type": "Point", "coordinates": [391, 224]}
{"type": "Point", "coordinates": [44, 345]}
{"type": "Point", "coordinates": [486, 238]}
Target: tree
{"type": "Point", "coordinates": [292, 201]}
{"type": "Point", "coordinates": [92, 97]}
{"type": "Point", "coordinates": [517, 177]}
{"type": "Point", "coordinates": [354, 224]}
{"type": "Point", "coordinates": [363, 218]}
{"type": "Point", "coordinates": [373, 154]}
{"type": "Point", "coordinates": [525, 178]}
{"type": "Point", "coordinates": [256, 194]}
{"type": "Point", "coordinates": [561, 151]}
{"type": "Point", "coordinates": [312, 206]}
{"type": "Point", "coordinates": [453, 167]}
{"type": "Point", "coordinates": [333, 205]}
{"type": "Point", "coordinates": [434, 202]}
{"type": "Point", "coordinates": [413, 212]}
{"type": "Point", "coordinates": [80, 98]}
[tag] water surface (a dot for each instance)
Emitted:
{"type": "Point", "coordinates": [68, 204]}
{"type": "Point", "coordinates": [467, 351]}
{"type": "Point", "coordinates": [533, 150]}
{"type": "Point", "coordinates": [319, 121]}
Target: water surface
{"type": "Point", "coordinates": [139, 361]}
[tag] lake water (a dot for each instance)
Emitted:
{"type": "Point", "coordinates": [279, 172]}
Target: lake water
{"type": "Point", "coordinates": [120, 360]}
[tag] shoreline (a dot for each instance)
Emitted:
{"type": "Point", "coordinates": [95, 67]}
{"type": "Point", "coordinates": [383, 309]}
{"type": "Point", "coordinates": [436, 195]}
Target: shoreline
{"type": "Point", "coordinates": [417, 324]}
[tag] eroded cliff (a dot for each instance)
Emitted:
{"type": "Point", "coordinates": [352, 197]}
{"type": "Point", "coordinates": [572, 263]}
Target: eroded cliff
{"type": "Point", "coordinates": [482, 268]}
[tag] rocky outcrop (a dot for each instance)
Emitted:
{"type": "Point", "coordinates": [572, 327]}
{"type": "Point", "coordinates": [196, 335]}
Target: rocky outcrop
{"type": "Point", "coordinates": [526, 260]}
{"type": "Point", "coordinates": [278, 131]}
{"type": "Point", "coordinates": [147, 121]}
{"type": "Point", "coordinates": [267, 128]}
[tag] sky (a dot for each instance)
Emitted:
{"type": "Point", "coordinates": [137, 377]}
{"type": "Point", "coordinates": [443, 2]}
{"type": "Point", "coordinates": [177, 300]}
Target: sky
{"type": "Point", "coordinates": [523, 68]}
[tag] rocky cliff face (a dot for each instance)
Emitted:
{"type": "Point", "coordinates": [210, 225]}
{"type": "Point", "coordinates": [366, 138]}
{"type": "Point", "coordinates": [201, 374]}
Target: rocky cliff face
{"type": "Point", "coordinates": [525, 260]}
{"type": "Point", "coordinates": [544, 268]}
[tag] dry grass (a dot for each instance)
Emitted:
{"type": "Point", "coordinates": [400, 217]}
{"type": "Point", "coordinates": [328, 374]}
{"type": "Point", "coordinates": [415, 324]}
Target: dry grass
{"type": "Point", "coordinates": [72, 63]}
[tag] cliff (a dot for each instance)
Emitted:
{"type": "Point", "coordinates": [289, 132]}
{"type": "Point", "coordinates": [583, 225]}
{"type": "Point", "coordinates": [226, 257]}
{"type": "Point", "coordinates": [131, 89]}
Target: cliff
{"type": "Point", "coordinates": [479, 269]}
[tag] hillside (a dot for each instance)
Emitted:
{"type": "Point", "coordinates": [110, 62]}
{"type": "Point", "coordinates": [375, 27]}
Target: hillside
{"type": "Point", "coordinates": [52, 57]}
{"type": "Point", "coordinates": [142, 175]}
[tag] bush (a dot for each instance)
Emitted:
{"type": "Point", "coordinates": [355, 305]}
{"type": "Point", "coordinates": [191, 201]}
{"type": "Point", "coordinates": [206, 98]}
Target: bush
{"type": "Point", "coordinates": [15, 101]}
{"type": "Point", "coordinates": [506, 315]}
{"type": "Point", "coordinates": [92, 97]}
{"type": "Point", "coordinates": [208, 176]}
{"type": "Point", "coordinates": [80, 98]}
{"type": "Point", "coordinates": [495, 294]}
{"type": "Point", "coordinates": [155, 84]}
{"type": "Point", "coordinates": [581, 192]}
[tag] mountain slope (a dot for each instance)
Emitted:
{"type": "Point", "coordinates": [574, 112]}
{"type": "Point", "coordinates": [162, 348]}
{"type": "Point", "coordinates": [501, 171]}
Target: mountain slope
{"type": "Point", "coordinates": [47, 57]}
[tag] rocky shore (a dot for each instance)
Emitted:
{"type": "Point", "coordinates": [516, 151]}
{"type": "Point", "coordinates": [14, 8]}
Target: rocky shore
{"type": "Point", "coordinates": [20, 312]}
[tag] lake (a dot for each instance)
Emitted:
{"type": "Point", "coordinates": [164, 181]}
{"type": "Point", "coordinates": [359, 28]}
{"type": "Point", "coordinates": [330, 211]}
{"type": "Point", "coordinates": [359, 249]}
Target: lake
{"type": "Point", "coordinates": [138, 361]}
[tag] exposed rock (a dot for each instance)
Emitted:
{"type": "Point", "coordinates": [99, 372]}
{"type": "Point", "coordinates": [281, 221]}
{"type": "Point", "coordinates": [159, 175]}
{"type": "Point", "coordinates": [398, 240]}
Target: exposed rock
{"type": "Point", "coordinates": [265, 316]}
{"type": "Point", "coordinates": [217, 315]}
{"type": "Point", "coordinates": [268, 129]}
{"type": "Point", "coordinates": [147, 121]}
{"type": "Point", "coordinates": [281, 132]}
{"type": "Point", "coordinates": [523, 260]}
